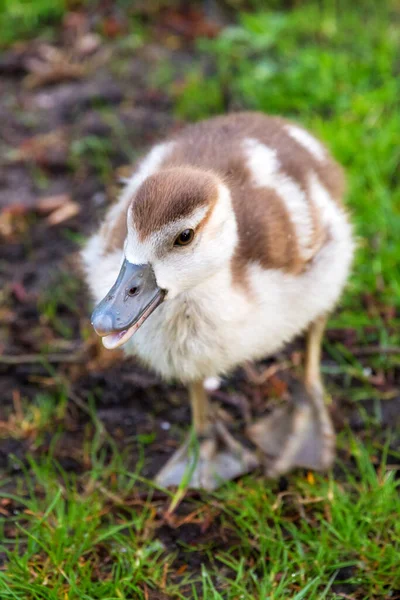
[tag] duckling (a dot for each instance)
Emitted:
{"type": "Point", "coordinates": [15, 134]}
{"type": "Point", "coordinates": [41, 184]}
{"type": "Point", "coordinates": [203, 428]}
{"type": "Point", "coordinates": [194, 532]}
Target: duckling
{"type": "Point", "coordinates": [229, 239]}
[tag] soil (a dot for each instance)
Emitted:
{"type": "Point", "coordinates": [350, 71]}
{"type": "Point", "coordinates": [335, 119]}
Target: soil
{"type": "Point", "coordinates": [43, 125]}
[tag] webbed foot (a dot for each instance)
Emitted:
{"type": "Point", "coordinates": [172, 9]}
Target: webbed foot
{"type": "Point", "coordinates": [296, 435]}
{"type": "Point", "coordinates": [206, 462]}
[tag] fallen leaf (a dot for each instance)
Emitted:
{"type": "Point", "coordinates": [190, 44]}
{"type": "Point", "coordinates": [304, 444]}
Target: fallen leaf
{"type": "Point", "coordinates": [310, 478]}
{"type": "Point", "coordinates": [47, 150]}
{"type": "Point", "coordinates": [88, 44]}
{"type": "Point", "coordinates": [65, 212]}
{"type": "Point", "coordinates": [112, 27]}
{"type": "Point", "coordinates": [181, 570]}
{"type": "Point", "coordinates": [12, 221]}
{"type": "Point", "coordinates": [14, 210]}
{"type": "Point", "coordinates": [47, 74]}
{"type": "Point", "coordinates": [190, 23]}
{"type": "Point", "coordinates": [51, 203]}
{"type": "Point", "coordinates": [276, 387]}
{"type": "Point", "coordinates": [52, 65]}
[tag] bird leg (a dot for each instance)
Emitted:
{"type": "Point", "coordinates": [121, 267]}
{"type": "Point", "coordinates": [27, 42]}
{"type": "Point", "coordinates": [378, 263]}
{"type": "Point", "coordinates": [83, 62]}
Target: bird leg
{"type": "Point", "coordinates": [300, 434]}
{"type": "Point", "coordinates": [211, 455]}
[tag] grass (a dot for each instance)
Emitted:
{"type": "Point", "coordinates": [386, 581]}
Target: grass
{"type": "Point", "coordinates": [97, 534]}
{"type": "Point", "coordinates": [68, 537]}
{"type": "Point", "coordinates": [26, 18]}
{"type": "Point", "coordinates": [93, 537]}
{"type": "Point", "coordinates": [59, 301]}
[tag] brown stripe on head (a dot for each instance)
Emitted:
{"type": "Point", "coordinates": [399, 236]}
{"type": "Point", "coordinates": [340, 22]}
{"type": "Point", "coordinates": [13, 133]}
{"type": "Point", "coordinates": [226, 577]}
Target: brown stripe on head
{"type": "Point", "coordinates": [169, 195]}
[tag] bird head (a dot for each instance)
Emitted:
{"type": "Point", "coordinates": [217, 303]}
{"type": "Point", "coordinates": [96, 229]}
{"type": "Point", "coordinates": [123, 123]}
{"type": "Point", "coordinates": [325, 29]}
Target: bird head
{"type": "Point", "coordinates": [181, 230]}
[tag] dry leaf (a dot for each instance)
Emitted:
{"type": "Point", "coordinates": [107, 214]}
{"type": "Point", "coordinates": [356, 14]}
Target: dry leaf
{"type": "Point", "coordinates": [52, 65]}
{"type": "Point", "coordinates": [190, 23]}
{"type": "Point", "coordinates": [65, 212]}
{"type": "Point", "coordinates": [54, 73]}
{"type": "Point", "coordinates": [112, 27]}
{"type": "Point", "coordinates": [12, 220]}
{"type": "Point", "coordinates": [48, 149]}
{"type": "Point", "coordinates": [52, 203]}
{"type": "Point", "coordinates": [276, 387]}
{"type": "Point", "coordinates": [88, 44]}
{"type": "Point", "coordinates": [310, 478]}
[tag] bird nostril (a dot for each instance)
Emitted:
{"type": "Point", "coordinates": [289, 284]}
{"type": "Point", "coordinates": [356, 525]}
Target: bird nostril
{"type": "Point", "coordinates": [133, 290]}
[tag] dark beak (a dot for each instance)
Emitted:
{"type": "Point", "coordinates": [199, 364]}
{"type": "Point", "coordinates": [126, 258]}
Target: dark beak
{"type": "Point", "coordinates": [131, 300]}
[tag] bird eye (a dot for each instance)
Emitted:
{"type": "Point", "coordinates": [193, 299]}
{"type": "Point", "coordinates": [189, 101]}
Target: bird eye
{"type": "Point", "coordinates": [184, 238]}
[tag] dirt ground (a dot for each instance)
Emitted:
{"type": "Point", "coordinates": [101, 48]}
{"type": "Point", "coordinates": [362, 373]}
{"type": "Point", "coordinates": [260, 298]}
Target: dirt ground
{"type": "Point", "coordinates": [64, 132]}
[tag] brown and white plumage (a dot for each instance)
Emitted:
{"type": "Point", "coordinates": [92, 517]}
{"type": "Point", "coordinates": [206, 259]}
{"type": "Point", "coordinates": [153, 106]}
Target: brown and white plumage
{"type": "Point", "coordinates": [272, 244]}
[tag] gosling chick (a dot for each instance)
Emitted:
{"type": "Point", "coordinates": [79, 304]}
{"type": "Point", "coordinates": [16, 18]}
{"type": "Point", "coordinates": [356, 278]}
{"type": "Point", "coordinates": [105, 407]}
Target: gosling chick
{"type": "Point", "coordinates": [229, 239]}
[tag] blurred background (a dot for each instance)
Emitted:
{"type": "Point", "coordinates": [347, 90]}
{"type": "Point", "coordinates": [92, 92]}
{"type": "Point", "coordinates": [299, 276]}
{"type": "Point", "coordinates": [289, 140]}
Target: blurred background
{"type": "Point", "coordinates": [86, 86]}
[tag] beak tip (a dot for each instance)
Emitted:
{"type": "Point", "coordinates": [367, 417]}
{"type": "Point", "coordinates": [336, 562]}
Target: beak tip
{"type": "Point", "coordinates": [102, 323]}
